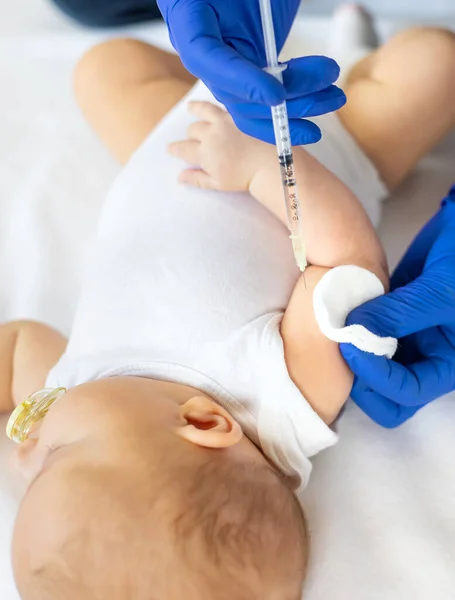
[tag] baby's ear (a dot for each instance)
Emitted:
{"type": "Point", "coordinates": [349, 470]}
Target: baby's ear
{"type": "Point", "coordinates": [29, 457]}
{"type": "Point", "coordinates": [207, 424]}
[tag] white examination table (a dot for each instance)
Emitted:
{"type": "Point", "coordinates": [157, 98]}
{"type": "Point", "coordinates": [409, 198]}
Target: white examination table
{"type": "Point", "coordinates": [381, 504]}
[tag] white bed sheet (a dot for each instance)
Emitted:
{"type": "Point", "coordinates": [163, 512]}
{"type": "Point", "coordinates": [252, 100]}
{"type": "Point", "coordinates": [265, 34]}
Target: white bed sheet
{"type": "Point", "coordinates": [380, 504]}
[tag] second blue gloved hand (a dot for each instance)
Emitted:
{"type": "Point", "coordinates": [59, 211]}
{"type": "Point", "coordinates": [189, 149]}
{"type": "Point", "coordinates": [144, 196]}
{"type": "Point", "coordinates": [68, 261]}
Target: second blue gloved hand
{"type": "Point", "coordinates": [420, 311]}
{"type": "Point", "coordinates": [221, 42]}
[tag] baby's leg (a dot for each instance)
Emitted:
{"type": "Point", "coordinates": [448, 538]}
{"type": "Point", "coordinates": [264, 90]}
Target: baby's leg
{"type": "Point", "coordinates": [401, 100]}
{"type": "Point", "coordinates": [125, 87]}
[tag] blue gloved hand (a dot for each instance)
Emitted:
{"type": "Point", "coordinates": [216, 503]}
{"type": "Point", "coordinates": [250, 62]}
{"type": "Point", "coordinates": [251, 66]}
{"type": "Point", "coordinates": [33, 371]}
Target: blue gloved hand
{"type": "Point", "coordinates": [420, 311]}
{"type": "Point", "coordinates": [221, 42]}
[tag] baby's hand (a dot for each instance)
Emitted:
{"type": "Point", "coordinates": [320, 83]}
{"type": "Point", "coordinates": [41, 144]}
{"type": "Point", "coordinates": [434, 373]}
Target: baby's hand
{"type": "Point", "coordinates": [227, 159]}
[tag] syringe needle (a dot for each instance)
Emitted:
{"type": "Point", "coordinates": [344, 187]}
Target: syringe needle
{"type": "Point", "coordinates": [283, 141]}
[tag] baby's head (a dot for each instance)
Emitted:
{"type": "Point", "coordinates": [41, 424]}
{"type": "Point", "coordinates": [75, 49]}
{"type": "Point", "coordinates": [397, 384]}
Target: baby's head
{"type": "Point", "coordinates": [144, 490]}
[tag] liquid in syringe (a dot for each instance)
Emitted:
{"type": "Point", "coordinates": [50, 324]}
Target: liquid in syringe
{"type": "Point", "coordinates": [288, 177]}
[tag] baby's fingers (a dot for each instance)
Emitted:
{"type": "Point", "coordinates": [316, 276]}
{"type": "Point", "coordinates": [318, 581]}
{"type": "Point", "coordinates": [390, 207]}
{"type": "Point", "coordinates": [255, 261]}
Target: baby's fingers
{"type": "Point", "coordinates": [197, 178]}
{"type": "Point", "coordinates": [206, 111]}
{"type": "Point", "coordinates": [187, 150]}
{"type": "Point", "coordinates": [197, 131]}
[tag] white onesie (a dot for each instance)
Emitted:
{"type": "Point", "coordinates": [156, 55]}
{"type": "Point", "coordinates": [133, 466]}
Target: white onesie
{"type": "Point", "coordinates": [190, 286]}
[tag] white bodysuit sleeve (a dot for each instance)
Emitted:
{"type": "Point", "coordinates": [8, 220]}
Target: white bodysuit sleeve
{"type": "Point", "coordinates": [290, 431]}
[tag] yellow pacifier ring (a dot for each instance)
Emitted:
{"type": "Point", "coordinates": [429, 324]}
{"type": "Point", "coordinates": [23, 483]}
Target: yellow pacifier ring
{"type": "Point", "coordinates": [27, 414]}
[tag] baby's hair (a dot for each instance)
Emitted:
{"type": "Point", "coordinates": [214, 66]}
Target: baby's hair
{"type": "Point", "coordinates": [248, 522]}
{"type": "Point", "coordinates": [231, 532]}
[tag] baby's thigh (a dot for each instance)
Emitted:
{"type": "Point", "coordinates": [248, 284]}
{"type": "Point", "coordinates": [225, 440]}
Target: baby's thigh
{"type": "Point", "coordinates": [401, 99]}
{"type": "Point", "coordinates": [125, 87]}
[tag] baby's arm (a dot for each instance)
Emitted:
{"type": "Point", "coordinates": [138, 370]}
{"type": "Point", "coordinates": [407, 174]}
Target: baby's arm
{"type": "Point", "coordinates": [28, 351]}
{"type": "Point", "coordinates": [338, 232]}
{"type": "Point", "coordinates": [337, 229]}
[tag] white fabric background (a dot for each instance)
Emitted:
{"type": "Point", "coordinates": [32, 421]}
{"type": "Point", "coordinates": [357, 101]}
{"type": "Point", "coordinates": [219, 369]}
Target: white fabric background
{"type": "Point", "coordinates": [422, 9]}
{"type": "Point", "coordinates": [380, 503]}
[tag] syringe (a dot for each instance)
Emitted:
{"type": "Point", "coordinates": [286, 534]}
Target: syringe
{"type": "Point", "coordinates": [283, 141]}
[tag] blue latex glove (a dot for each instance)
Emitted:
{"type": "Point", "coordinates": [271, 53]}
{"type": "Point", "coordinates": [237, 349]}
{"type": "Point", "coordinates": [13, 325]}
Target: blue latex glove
{"type": "Point", "coordinates": [221, 42]}
{"type": "Point", "coordinates": [420, 311]}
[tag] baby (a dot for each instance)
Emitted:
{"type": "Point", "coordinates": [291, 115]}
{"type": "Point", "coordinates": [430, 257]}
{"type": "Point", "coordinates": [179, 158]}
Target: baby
{"type": "Point", "coordinates": [198, 379]}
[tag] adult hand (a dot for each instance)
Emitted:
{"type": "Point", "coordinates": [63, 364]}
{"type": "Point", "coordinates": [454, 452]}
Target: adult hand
{"type": "Point", "coordinates": [221, 42]}
{"type": "Point", "coordinates": [420, 311]}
